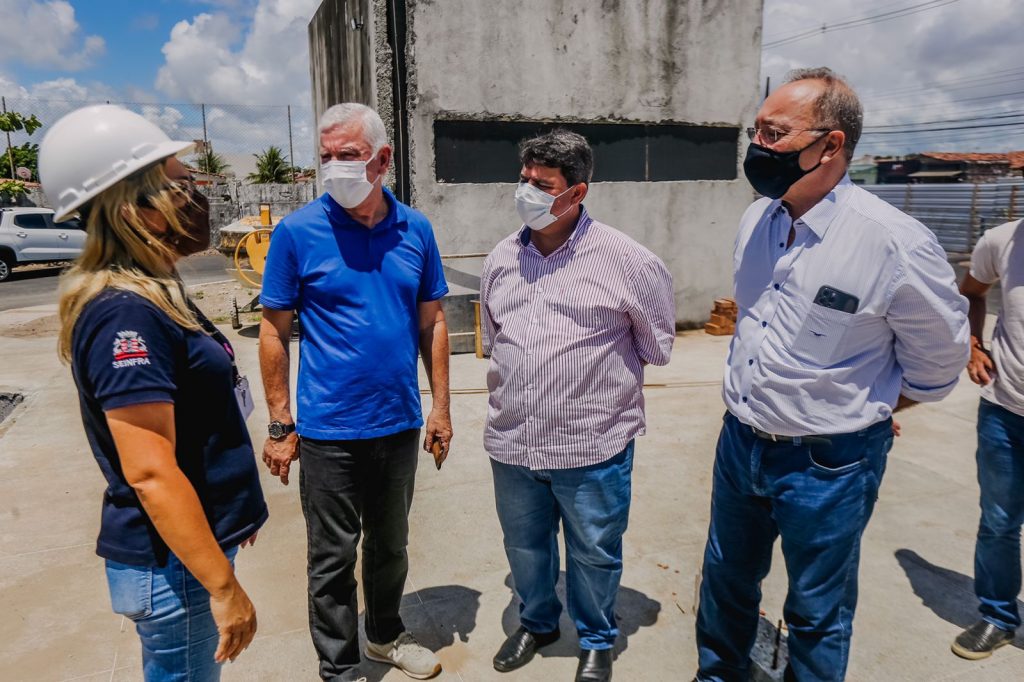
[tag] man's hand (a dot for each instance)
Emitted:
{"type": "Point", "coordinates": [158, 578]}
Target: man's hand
{"type": "Point", "coordinates": [980, 367]}
{"type": "Point", "coordinates": [235, 617]}
{"type": "Point", "coordinates": [278, 455]}
{"type": "Point", "coordinates": [439, 428]}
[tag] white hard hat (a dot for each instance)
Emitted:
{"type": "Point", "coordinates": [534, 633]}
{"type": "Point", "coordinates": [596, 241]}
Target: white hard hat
{"type": "Point", "coordinates": [90, 149]}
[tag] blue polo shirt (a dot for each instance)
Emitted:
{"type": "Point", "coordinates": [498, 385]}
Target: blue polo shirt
{"type": "Point", "coordinates": [357, 292]}
{"type": "Point", "coordinates": [126, 351]}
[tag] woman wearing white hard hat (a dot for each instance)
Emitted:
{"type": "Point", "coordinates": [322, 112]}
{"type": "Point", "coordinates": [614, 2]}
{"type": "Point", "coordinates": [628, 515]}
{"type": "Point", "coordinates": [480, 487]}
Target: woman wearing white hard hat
{"type": "Point", "coordinates": [159, 393]}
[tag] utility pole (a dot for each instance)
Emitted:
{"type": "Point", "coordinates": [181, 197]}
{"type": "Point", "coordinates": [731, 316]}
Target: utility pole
{"type": "Point", "coordinates": [767, 86]}
{"type": "Point", "coordinates": [206, 141]}
{"type": "Point", "coordinates": [10, 154]}
{"type": "Point", "coordinates": [291, 148]}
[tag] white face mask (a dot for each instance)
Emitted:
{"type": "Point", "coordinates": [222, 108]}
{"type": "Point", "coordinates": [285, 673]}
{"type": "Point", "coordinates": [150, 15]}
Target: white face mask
{"type": "Point", "coordinates": [346, 181]}
{"type": "Point", "coordinates": [534, 206]}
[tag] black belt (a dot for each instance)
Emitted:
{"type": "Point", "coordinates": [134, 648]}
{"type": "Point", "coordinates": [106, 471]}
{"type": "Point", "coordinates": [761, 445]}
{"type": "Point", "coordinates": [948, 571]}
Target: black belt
{"type": "Point", "coordinates": [794, 440]}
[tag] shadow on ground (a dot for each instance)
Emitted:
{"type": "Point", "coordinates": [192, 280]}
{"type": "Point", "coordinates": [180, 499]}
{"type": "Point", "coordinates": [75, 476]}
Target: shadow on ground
{"type": "Point", "coordinates": [633, 610]}
{"type": "Point", "coordinates": [950, 595]}
{"type": "Point", "coordinates": [446, 612]}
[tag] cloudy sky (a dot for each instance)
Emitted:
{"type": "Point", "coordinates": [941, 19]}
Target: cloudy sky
{"type": "Point", "coordinates": [915, 63]}
{"type": "Point", "coordinates": [959, 62]}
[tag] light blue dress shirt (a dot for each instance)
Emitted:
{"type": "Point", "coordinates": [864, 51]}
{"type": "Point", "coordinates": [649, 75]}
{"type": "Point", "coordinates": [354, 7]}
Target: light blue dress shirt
{"type": "Point", "coordinates": [797, 368]}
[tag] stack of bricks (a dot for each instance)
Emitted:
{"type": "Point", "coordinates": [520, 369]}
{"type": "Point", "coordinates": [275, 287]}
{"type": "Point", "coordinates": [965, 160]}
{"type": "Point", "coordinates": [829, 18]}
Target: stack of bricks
{"type": "Point", "coordinates": [723, 318]}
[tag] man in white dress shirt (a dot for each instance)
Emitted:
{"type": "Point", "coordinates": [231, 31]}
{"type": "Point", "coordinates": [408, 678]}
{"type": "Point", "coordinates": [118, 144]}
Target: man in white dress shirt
{"type": "Point", "coordinates": [848, 311]}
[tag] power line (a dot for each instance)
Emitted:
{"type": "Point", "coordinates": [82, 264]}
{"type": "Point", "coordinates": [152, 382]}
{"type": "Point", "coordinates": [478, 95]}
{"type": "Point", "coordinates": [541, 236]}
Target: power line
{"type": "Point", "coordinates": [999, 73]}
{"type": "Point", "coordinates": [948, 120]}
{"type": "Point", "coordinates": [857, 23]}
{"type": "Point", "coordinates": [1007, 95]}
{"type": "Point", "coordinates": [985, 110]}
{"type": "Point", "coordinates": [872, 8]}
{"type": "Point", "coordinates": [910, 94]}
{"type": "Point", "coordinates": [1017, 124]}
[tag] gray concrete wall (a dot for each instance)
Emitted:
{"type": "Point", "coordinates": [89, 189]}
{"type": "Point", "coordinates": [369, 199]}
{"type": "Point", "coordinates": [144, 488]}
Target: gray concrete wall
{"type": "Point", "coordinates": [689, 61]}
{"type": "Point", "coordinates": [230, 201]}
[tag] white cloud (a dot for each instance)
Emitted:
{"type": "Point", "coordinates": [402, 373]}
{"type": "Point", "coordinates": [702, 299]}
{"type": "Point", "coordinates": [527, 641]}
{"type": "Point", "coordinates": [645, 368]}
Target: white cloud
{"type": "Point", "coordinates": [212, 58]}
{"type": "Point", "coordinates": [954, 61]}
{"type": "Point", "coordinates": [46, 34]}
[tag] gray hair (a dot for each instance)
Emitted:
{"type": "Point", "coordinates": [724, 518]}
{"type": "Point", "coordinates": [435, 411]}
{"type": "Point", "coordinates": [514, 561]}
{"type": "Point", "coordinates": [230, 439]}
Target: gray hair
{"type": "Point", "coordinates": [838, 107]}
{"type": "Point", "coordinates": [340, 114]}
{"type": "Point", "coordinates": [563, 149]}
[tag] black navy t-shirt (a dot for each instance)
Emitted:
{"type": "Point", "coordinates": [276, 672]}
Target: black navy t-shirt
{"type": "Point", "coordinates": [126, 351]}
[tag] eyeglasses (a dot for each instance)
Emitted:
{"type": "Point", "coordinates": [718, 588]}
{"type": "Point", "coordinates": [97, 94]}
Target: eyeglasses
{"type": "Point", "coordinates": [772, 135]}
{"type": "Point", "coordinates": [183, 188]}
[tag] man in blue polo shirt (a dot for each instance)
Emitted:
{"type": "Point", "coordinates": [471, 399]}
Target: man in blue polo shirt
{"type": "Point", "coordinates": [364, 273]}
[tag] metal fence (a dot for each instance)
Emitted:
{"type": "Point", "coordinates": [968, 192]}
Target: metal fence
{"type": "Point", "coordinates": [235, 132]}
{"type": "Point", "coordinates": [957, 213]}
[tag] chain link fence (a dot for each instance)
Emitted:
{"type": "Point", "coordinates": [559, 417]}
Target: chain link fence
{"type": "Point", "coordinates": [233, 134]}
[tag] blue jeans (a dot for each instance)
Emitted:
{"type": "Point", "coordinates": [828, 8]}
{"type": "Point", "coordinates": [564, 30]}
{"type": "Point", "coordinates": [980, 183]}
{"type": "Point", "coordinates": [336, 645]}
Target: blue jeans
{"type": "Point", "coordinates": [818, 495]}
{"type": "Point", "coordinates": [593, 505]}
{"type": "Point", "coordinates": [1001, 477]}
{"type": "Point", "coordinates": [171, 612]}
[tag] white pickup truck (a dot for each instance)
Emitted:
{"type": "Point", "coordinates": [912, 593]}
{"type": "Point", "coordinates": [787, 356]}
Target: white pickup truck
{"type": "Point", "coordinates": [29, 235]}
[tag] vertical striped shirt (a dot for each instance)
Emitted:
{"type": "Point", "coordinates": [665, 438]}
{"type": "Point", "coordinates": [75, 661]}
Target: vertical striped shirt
{"type": "Point", "coordinates": [569, 334]}
{"type": "Point", "coordinates": [799, 368]}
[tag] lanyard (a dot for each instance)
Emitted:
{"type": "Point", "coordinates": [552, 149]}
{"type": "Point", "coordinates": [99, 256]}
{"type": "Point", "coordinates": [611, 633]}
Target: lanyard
{"type": "Point", "coordinates": [211, 330]}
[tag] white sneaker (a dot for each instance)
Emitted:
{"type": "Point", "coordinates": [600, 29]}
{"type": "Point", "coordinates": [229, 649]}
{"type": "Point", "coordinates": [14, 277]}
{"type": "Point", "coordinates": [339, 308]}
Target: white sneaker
{"type": "Point", "coordinates": [406, 654]}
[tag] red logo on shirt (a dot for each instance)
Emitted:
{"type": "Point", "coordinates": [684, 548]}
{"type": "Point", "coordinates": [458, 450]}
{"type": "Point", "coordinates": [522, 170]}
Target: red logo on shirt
{"type": "Point", "coordinates": [130, 349]}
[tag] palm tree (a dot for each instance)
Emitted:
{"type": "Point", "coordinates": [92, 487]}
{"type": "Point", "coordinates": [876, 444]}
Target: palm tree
{"type": "Point", "coordinates": [212, 162]}
{"type": "Point", "coordinates": [271, 167]}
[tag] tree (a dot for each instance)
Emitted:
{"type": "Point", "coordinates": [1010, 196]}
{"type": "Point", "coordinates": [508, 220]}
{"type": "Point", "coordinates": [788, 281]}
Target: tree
{"type": "Point", "coordinates": [11, 192]}
{"type": "Point", "coordinates": [211, 162]}
{"type": "Point", "coordinates": [271, 167]}
{"type": "Point", "coordinates": [26, 155]}
{"type": "Point", "coordinates": [12, 122]}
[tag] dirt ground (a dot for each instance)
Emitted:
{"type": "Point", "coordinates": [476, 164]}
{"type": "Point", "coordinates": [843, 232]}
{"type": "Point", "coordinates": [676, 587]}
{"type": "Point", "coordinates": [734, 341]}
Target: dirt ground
{"type": "Point", "coordinates": [215, 300]}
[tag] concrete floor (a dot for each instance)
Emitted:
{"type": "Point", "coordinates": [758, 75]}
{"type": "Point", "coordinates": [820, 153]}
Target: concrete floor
{"type": "Point", "coordinates": [56, 624]}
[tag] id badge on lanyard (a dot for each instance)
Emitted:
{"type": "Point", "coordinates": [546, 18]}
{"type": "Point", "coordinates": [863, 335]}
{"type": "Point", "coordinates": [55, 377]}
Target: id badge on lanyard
{"type": "Point", "coordinates": [243, 395]}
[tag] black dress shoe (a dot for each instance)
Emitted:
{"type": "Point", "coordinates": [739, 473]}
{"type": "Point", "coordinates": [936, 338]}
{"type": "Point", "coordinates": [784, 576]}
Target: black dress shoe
{"type": "Point", "coordinates": [595, 666]}
{"type": "Point", "coordinates": [980, 640]}
{"type": "Point", "coordinates": [520, 647]}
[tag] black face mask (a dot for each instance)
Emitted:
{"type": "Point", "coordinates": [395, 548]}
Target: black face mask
{"type": "Point", "coordinates": [772, 173]}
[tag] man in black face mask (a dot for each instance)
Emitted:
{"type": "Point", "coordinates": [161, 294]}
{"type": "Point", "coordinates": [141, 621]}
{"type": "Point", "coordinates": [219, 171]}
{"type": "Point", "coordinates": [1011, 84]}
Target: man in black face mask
{"type": "Point", "coordinates": [848, 311]}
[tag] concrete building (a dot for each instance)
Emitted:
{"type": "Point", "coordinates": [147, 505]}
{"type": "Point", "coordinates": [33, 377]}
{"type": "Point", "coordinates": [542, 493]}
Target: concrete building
{"type": "Point", "coordinates": [864, 170]}
{"type": "Point", "coordinates": [946, 167]}
{"type": "Point", "coordinates": [662, 88]}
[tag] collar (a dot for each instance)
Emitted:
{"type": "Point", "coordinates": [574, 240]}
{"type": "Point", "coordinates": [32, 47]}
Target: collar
{"type": "Point", "coordinates": [582, 223]}
{"type": "Point", "coordinates": [398, 212]}
{"type": "Point", "coordinates": [821, 215]}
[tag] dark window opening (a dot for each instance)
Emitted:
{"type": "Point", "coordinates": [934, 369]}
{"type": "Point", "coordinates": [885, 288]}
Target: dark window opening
{"type": "Point", "coordinates": [34, 221]}
{"type": "Point", "coordinates": [488, 151]}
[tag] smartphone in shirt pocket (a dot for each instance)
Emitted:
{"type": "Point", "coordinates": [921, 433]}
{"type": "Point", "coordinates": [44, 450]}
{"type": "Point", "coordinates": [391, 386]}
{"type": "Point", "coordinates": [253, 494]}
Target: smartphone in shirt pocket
{"type": "Point", "coordinates": [830, 316]}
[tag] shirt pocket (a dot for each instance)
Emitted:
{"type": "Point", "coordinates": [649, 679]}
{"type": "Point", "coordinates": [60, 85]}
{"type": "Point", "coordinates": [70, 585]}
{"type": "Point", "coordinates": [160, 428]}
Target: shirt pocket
{"type": "Point", "coordinates": [131, 590]}
{"type": "Point", "coordinates": [820, 337]}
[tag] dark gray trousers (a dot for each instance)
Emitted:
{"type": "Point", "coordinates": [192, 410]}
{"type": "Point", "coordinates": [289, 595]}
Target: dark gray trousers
{"type": "Point", "coordinates": [348, 488]}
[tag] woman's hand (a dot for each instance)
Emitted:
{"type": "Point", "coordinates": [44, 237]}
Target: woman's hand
{"type": "Point", "coordinates": [235, 617]}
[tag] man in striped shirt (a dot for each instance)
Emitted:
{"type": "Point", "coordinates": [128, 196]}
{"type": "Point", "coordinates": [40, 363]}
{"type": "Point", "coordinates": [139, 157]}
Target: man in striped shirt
{"type": "Point", "coordinates": [573, 310]}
